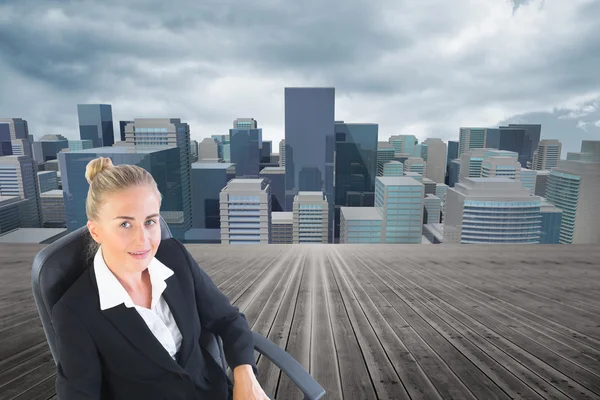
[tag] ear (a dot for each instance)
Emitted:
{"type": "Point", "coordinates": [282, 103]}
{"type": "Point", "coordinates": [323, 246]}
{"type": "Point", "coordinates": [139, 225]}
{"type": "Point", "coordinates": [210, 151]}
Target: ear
{"type": "Point", "coordinates": [93, 229]}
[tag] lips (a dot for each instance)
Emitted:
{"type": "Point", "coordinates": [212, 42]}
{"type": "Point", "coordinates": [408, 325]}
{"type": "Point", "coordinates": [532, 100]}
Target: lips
{"type": "Point", "coordinates": [138, 253]}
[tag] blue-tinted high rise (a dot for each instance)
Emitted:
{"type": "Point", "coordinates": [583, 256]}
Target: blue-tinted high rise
{"type": "Point", "coordinates": [48, 147]}
{"type": "Point", "coordinates": [551, 223]}
{"type": "Point", "coordinates": [355, 166]}
{"type": "Point", "coordinates": [208, 179]}
{"type": "Point", "coordinates": [309, 144]}
{"type": "Point", "coordinates": [530, 141]}
{"type": "Point", "coordinates": [245, 151]}
{"type": "Point", "coordinates": [96, 124]}
{"type": "Point", "coordinates": [163, 164]}
{"type": "Point", "coordinates": [5, 140]}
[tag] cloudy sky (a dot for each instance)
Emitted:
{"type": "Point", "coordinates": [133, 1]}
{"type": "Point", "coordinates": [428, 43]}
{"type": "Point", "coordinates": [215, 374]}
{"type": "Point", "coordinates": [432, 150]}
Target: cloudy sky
{"type": "Point", "coordinates": [424, 67]}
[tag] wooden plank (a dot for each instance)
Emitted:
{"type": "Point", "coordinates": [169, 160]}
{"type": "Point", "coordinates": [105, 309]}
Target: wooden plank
{"type": "Point", "coordinates": [323, 361]}
{"type": "Point", "coordinates": [535, 357]}
{"type": "Point", "coordinates": [24, 368]}
{"type": "Point", "coordinates": [24, 383]}
{"type": "Point", "coordinates": [385, 380]}
{"type": "Point", "coordinates": [353, 370]}
{"type": "Point", "coordinates": [41, 391]}
{"type": "Point", "coordinates": [300, 334]}
{"type": "Point", "coordinates": [268, 374]}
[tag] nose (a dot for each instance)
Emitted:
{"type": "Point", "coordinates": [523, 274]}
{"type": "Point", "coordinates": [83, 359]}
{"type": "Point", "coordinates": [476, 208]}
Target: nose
{"type": "Point", "coordinates": [141, 236]}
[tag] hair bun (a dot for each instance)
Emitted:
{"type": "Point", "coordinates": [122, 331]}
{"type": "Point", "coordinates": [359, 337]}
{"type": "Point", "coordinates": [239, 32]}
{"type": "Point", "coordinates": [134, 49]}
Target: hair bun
{"type": "Point", "coordinates": [96, 166]}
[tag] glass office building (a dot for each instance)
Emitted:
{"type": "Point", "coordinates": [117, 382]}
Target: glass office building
{"type": "Point", "coordinates": [96, 124]}
{"type": "Point", "coordinates": [393, 168]}
{"type": "Point", "coordinates": [309, 145]}
{"type": "Point", "coordinates": [208, 179]}
{"type": "Point", "coordinates": [355, 166]}
{"type": "Point", "coordinates": [75, 145]}
{"type": "Point", "coordinates": [400, 202]}
{"type": "Point", "coordinates": [245, 151]}
{"type": "Point", "coordinates": [246, 212]}
{"type": "Point", "coordinates": [491, 210]}
{"type": "Point", "coordinates": [163, 164]}
{"type": "Point", "coordinates": [551, 223]}
{"type": "Point", "coordinates": [360, 225]}
{"type": "Point", "coordinates": [311, 216]}
{"type": "Point", "coordinates": [276, 179]}
{"type": "Point", "coordinates": [385, 153]}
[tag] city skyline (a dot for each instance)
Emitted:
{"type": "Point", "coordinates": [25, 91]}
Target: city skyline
{"type": "Point", "coordinates": [471, 70]}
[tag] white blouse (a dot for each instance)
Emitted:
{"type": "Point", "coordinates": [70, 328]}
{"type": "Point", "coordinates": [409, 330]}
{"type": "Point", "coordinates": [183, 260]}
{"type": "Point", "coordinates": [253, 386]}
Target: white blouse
{"type": "Point", "coordinates": [158, 317]}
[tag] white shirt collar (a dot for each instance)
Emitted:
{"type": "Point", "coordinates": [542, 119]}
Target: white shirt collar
{"type": "Point", "coordinates": [112, 293]}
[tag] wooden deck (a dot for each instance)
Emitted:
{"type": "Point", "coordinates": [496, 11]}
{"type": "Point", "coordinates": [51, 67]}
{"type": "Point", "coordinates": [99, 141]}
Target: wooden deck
{"type": "Point", "coordinates": [380, 321]}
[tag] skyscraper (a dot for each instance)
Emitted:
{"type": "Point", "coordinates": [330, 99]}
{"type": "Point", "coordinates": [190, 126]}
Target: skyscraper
{"type": "Point", "coordinates": [18, 177]}
{"type": "Point", "coordinates": [530, 141]}
{"type": "Point", "coordinates": [208, 150]}
{"type": "Point", "coordinates": [122, 125]}
{"type": "Point", "coordinates": [436, 160]}
{"type": "Point", "coordinates": [551, 222]}
{"type": "Point", "coordinates": [245, 151]}
{"type": "Point", "coordinates": [400, 202]}
{"type": "Point", "coordinates": [547, 154]}
{"type": "Point", "coordinates": [96, 124]}
{"type": "Point", "coordinates": [275, 176]}
{"type": "Point", "coordinates": [309, 144]}
{"type": "Point", "coordinates": [404, 144]}
{"type": "Point", "coordinates": [282, 153]}
{"type": "Point", "coordinates": [208, 179]}
{"type": "Point", "coordinates": [574, 187]}
{"type": "Point", "coordinates": [385, 153]}
{"type": "Point", "coordinates": [360, 225]}
{"type": "Point", "coordinates": [311, 216]}
{"type": "Point", "coordinates": [48, 147]}
{"type": "Point", "coordinates": [393, 168]}
{"type": "Point", "coordinates": [471, 138]}
{"type": "Point", "coordinates": [18, 130]}
{"type": "Point", "coordinates": [415, 164]}
{"type": "Point", "coordinates": [491, 210]}
{"type": "Point", "coordinates": [245, 206]}
{"type": "Point", "coordinates": [245, 123]}
{"type": "Point", "coordinates": [355, 166]}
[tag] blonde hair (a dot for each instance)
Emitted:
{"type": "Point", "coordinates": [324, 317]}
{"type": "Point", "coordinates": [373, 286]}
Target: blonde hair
{"type": "Point", "coordinates": [105, 178]}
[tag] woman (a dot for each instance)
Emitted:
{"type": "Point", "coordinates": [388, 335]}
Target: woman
{"type": "Point", "coordinates": [129, 327]}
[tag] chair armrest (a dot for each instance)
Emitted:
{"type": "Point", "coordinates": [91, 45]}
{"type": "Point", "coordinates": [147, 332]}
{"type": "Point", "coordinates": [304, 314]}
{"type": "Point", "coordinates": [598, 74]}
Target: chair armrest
{"type": "Point", "coordinates": [292, 368]}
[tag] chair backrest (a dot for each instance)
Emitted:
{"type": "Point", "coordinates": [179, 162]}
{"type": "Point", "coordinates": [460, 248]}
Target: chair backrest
{"type": "Point", "coordinates": [57, 266]}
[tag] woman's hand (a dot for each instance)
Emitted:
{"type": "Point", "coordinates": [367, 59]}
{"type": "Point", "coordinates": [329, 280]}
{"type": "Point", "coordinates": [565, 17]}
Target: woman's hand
{"type": "Point", "coordinates": [245, 384]}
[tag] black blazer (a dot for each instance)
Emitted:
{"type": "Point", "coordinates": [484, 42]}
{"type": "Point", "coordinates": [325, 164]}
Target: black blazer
{"type": "Point", "coordinates": [112, 354]}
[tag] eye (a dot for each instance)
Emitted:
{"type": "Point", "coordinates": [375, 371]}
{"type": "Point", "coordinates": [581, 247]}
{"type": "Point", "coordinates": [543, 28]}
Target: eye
{"type": "Point", "coordinates": [151, 220]}
{"type": "Point", "coordinates": [122, 225]}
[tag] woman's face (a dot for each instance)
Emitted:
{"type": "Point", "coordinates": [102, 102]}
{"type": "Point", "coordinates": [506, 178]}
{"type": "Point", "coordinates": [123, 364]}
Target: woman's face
{"type": "Point", "coordinates": [128, 224]}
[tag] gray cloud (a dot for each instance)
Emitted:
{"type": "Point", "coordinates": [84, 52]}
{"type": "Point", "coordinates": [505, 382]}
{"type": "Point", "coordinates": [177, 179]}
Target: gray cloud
{"type": "Point", "coordinates": [414, 67]}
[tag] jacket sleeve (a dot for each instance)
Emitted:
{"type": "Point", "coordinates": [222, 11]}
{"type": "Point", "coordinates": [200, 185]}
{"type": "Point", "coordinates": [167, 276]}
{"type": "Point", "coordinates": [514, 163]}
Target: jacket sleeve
{"type": "Point", "coordinates": [78, 373]}
{"type": "Point", "coordinates": [220, 317]}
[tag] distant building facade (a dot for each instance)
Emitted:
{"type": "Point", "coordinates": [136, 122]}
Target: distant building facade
{"type": "Point", "coordinates": [491, 210]}
{"type": "Point", "coordinates": [96, 124]}
{"type": "Point", "coordinates": [311, 218]}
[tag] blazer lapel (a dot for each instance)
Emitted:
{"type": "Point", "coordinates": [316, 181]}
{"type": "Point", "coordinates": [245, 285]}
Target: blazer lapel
{"type": "Point", "coordinates": [131, 324]}
{"type": "Point", "coordinates": [182, 313]}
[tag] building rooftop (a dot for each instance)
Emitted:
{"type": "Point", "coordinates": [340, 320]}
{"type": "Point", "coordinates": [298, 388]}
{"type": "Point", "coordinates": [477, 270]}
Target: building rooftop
{"type": "Point", "coordinates": [33, 235]}
{"type": "Point", "coordinates": [121, 150]}
{"type": "Point", "coordinates": [211, 165]}
{"type": "Point", "coordinates": [272, 170]}
{"type": "Point", "coordinates": [282, 217]}
{"type": "Point", "coordinates": [52, 193]}
{"type": "Point", "coordinates": [399, 180]}
{"type": "Point", "coordinates": [360, 213]}
{"type": "Point", "coordinates": [378, 321]}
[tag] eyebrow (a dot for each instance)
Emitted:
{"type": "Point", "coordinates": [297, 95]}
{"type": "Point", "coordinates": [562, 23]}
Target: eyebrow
{"type": "Point", "coordinates": [133, 219]}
